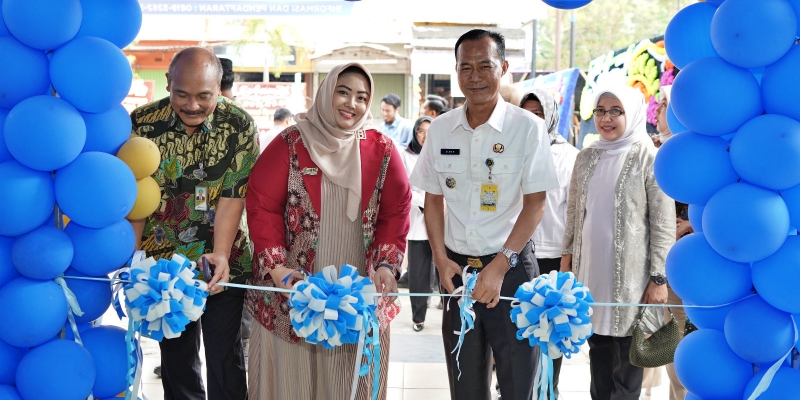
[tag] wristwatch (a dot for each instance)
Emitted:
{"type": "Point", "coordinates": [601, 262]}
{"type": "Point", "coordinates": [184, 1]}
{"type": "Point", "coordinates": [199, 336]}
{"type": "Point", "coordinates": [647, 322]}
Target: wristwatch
{"type": "Point", "coordinates": [513, 256]}
{"type": "Point", "coordinates": [658, 279]}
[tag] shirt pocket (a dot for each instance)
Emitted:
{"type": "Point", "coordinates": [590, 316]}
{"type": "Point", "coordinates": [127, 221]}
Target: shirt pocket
{"type": "Point", "coordinates": [452, 174]}
{"type": "Point", "coordinates": [507, 174]}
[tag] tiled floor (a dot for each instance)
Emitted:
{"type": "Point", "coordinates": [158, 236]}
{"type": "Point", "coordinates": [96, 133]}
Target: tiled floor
{"type": "Point", "coordinates": [410, 380]}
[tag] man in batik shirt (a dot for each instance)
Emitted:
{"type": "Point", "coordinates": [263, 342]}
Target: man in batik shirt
{"type": "Point", "coordinates": [207, 152]}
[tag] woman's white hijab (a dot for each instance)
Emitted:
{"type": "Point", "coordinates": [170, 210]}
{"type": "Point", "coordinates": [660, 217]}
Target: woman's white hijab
{"type": "Point", "coordinates": [635, 115]}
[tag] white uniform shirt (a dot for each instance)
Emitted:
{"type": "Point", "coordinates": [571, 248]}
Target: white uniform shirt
{"type": "Point", "coordinates": [549, 235]}
{"type": "Point", "coordinates": [417, 230]}
{"type": "Point", "coordinates": [266, 136]}
{"type": "Point", "coordinates": [518, 144]}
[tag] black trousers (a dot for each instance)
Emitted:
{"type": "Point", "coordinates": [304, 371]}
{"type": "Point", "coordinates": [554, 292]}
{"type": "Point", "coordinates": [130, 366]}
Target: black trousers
{"type": "Point", "coordinates": [494, 334]}
{"type": "Point", "coordinates": [613, 376]}
{"type": "Point", "coordinates": [546, 265]}
{"type": "Point", "coordinates": [221, 328]}
{"type": "Point", "coordinates": [420, 262]}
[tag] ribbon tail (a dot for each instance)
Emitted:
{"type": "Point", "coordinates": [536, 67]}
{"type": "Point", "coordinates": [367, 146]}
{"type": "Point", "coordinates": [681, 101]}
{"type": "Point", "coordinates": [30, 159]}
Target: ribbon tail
{"type": "Point", "coordinates": [359, 353]}
{"type": "Point", "coordinates": [766, 380]}
{"type": "Point", "coordinates": [376, 357]}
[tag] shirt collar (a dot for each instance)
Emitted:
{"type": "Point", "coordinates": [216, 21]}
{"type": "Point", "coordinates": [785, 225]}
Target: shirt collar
{"type": "Point", "coordinates": [495, 120]}
{"type": "Point", "coordinates": [396, 121]}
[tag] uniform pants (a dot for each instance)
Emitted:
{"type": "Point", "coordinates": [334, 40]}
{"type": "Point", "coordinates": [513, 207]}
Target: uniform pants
{"type": "Point", "coordinates": [221, 329]}
{"type": "Point", "coordinates": [494, 334]}
{"type": "Point", "coordinates": [420, 262]}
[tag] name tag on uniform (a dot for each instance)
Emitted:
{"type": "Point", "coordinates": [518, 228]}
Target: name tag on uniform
{"type": "Point", "coordinates": [201, 198]}
{"type": "Point", "coordinates": [489, 197]}
{"type": "Point", "coordinates": [451, 152]}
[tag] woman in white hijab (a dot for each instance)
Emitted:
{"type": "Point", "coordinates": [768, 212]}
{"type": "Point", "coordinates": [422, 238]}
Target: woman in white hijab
{"type": "Point", "coordinates": [620, 227]}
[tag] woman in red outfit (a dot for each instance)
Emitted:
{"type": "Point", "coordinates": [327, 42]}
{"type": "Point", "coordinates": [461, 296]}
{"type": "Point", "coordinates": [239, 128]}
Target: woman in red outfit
{"type": "Point", "coordinates": [328, 191]}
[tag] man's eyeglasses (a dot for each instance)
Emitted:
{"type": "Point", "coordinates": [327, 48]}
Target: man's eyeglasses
{"type": "Point", "coordinates": [599, 112]}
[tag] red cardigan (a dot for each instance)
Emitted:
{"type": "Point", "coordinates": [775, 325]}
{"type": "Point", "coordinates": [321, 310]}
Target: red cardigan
{"type": "Point", "coordinates": [283, 207]}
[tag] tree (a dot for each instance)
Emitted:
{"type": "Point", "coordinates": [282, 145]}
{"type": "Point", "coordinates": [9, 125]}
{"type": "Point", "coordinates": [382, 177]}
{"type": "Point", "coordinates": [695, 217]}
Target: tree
{"type": "Point", "coordinates": [280, 39]}
{"type": "Point", "coordinates": [603, 26]}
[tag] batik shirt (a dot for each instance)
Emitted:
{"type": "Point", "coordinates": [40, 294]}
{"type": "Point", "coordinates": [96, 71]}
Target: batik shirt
{"type": "Point", "coordinates": [225, 144]}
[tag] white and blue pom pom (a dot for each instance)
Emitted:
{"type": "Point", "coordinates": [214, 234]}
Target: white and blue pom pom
{"type": "Point", "coordinates": [163, 296]}
{"type": "Point", "coordinates": [331, 310]}
{"type": "Point", "coordinates": [554, 312]}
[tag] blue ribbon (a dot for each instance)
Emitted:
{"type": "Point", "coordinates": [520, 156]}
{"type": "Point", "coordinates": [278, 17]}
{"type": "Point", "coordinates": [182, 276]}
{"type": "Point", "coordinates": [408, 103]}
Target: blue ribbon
{"type": "Point", "coordinates": [766, 380]}
{"type": "Point", "coordinates": [466, 311]}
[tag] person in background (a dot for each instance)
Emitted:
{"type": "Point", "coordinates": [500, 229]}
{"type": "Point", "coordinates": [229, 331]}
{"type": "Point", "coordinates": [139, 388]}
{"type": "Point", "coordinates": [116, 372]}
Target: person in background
{"type": "Point", "coordinates": [549, 235]}
{"type": "Point", "coordinates": [434, 106]}
{"type": "Point", "coordinates": [226, 86]}
{"type": "Point", "coordinates": [620, 227]}
{"type": "Point", "coordinates": [207, 145]}
{"type": "Point", "coordinates": [684, 227]}
{"type": "Point", "coordinates": [394, 126]}
{"type": "Point", "coordinates": [420, 257]}
{"type": "Point", "coordinates": [281, 120]}
{"type": "Point", "coordinates": [328, 191]}
{"type": "Point", "coordinates": [483, 225]}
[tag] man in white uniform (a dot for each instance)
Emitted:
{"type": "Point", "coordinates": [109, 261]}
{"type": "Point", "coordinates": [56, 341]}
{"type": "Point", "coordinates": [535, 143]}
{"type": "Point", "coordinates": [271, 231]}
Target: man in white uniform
{"type": "Point", "coordinates": [491, 162]}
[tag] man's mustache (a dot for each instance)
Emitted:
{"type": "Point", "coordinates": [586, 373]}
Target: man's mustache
{"type": "Point", "coordinates": [197, 112]}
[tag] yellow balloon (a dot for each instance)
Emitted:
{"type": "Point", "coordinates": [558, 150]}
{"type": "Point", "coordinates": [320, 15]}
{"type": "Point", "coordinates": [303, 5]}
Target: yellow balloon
{"type": "Point", "coordinates": [141, 155]}
{"type": "Point", "coordinates": [148, 197]}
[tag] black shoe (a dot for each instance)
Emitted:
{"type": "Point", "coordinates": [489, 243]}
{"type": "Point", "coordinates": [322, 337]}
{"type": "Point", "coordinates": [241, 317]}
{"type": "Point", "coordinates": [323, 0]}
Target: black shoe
{"type": "Point", "coordinates": [419, 327]}
{"type": "Point", "coordinates": [157, 371]}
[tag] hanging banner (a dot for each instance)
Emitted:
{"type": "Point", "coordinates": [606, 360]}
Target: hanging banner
{"type": "Point", "coordinates": [262, 99]}
{"type": "Point", "coordinates": [246, 7]}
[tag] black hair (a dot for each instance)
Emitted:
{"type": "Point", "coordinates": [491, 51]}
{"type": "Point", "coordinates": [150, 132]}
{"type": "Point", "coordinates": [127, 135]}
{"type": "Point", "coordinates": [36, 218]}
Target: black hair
{"type": "Point", "coordinates": [227, 73]}
{"type": "Point", "coordinates": [282, 114]}
{"type": "Point", "coordinates": [437, 104]}
{"type": "Point", "coordinates": [478, 34]}
{"type": "Point", "coordinates": [392, 100]}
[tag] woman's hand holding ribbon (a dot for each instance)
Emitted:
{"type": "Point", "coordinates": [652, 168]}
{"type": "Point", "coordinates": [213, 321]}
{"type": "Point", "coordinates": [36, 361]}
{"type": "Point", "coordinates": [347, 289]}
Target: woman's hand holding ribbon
{"type": "Point", "coordinates": [285, 278]}
{"type": "Point", "coordinates": [384, 281]}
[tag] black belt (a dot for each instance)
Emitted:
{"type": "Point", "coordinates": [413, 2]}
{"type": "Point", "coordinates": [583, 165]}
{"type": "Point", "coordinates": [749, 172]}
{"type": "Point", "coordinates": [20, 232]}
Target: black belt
{"type": "Point", "coordinates": [479, 262]}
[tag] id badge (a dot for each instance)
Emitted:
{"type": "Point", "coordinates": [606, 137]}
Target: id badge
{"type": "Point", "coordinates": [201, 198]}
{"type": "Point", "coordinates": [489, 197]}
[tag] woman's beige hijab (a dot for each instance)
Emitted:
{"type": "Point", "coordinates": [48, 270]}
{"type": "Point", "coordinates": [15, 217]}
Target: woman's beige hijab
{"type": "Point", "coordinates": [335, 151]}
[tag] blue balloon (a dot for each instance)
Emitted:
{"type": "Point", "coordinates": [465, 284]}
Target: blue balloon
{"type": "Point", "coordinates": [28, 75]}
{"type": "Point", "coordinates": [32, 311]}
{"type": "Point", "coordinates": [688, 35]}
{"type": "Point", "coordinates": [796, 6]}
{"type": "Point", "coordinates": [9, 358]}
{"type": "Point", "coordinates": [101, 251]}
{"type": "Point", "coordinates": [76, 69]}
{"type": "Point", "coordinates": [690, 263]}
{"type": "Point", "coordinates": [94, 297]}
{"type": "Point", "coordinates": [28, 200]}
{"type": "Point", "coordinates": [96, 190]}
{"type": "Point", "coordinates": [758, 73]}
{"type": "Point", "coordinates": [674, 125]}
{"type": "Point", "coordinates": [791, 197]}
{"type": "Point", "coordinates": [780, 86]}
{"type": "Point", "coordinates": [696, 217]}
{"type": "Point", "coordinates": [8, 392]}
{"type": "Point", "coordinates": [714, 98]}
{"type": "Point", "coordinates": [785, 385]}
{"type": "Point", "coordinates": [708, 318]}
{"type": "Point", "coordinates": [753, 37]}
{"type": "Point", "coordinates": [54, 141]}
{"type": "Point", "coordinates": [107, 131]}
{"type": "Point", "coordinates": [70, 335]}
{"type": "Point", "coordinates": [108, 348]}
{"type": "Point", "coordinates": [707, 367]}
{"type": "Point", "coordinates": [765, 152]}
{"type": "Point", "coordinates": [4, 154]}
{"type": "Point", "coordinates": [758, 332]}
{"type": "Point", "coordinates": [42, 24]}
{"type": "Point", "coordinates": [3, 29]}
{"type": "Point", "coordinates": [43, 253]}
{"type": "Point", "coordinates": [715, 3]}
{"type": "Point", "coordinates": [690, 167]}
{"type": "Point", "coordinates": [745, 236]}
{"type": "Point", "coordinates": [566, 4]}
{"type": "Point", "coordinates": [7, 270]}
{"type": "Point", "coordinates": [118, 22]}
{"type": "Point", "coordinates": [60, 369]}
{"type": "Point", "coordinates": [690, 396]}
{"type": "Point", "coordinates": [772, 276]}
